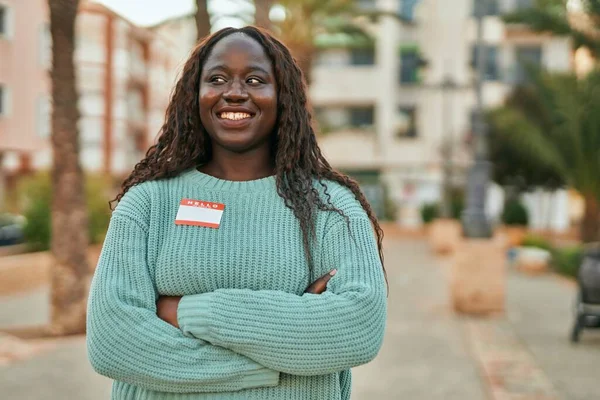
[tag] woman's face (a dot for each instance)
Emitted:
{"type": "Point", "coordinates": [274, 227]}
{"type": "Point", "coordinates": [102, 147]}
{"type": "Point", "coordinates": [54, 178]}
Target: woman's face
{"type": "Point", "coordinates": [238, 95]}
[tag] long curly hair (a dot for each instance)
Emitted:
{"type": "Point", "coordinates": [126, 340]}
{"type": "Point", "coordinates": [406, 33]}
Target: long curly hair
{"type": "Point", "coordinates": [183, 142]}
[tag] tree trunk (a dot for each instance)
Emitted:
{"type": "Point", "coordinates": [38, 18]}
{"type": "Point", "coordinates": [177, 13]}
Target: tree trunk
{"type": "Point", "coordinates": [2, 182]}
{"type": "Point", "coordinates": [69, 272]}
{"type": "Point", "coordinates": [303, 54]}
{"type": "Point", "coordinates": [261, 14]}
{"type": "Point", "coordinates": [202, 19]}
{"type": "Point", "coordinates": [590, 226]}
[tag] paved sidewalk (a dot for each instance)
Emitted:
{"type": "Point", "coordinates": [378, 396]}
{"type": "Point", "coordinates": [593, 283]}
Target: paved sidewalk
{"type": "Point", "coordinates": [428, 353]}
{"type": "Point", "coordinates": [540, 311]}
{"type": "Point", "coordinates": [424, 355]}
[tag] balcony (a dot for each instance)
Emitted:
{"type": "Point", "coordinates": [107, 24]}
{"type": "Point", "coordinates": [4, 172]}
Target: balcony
{"type": "Point", "coordinates": [344, 84]}
{"type": "Point", "coordinates": [351, 149]}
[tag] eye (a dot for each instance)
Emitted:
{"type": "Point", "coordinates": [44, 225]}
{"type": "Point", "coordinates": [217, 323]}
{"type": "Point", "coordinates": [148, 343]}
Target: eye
{"type": "Point", "coordinates": [254, 81]}
{"type": "Point", "coordinates": [217, 79]}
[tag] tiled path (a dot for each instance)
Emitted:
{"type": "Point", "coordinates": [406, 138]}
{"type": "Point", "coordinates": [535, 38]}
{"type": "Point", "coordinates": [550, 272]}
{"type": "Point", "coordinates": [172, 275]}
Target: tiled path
{"type": "Point", "coordinates": [428, 353]}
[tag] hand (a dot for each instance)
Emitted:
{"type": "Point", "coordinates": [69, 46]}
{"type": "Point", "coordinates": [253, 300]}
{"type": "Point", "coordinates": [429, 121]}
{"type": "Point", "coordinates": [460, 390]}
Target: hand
{"type": "Point", "coordinates": [166, 309]}
{"type": "Point", "coordinates": [320, 285]}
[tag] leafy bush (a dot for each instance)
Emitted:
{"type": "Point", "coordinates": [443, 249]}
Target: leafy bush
{"type": "Point", "coordinates": [515, 213]}
{"type": "Point", "coordinates": [97, 194]}
{"type": "Point", "coordinates": [538, 242]}
{"type": "Point", "coordinates": [35, 194]}
{"type": "Point", "coordinates": [566, 261]}
{"type": "Point", "coordinates": [429, 212]}
{"type": "Point", "coordinates": [457, 204]}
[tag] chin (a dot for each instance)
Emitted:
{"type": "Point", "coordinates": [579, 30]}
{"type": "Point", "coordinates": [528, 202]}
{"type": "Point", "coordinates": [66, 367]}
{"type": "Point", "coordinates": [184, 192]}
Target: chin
{"type": "Point", "coordinates": [237, 146]}
{"type": "Point", "coordinates": [238, 142]}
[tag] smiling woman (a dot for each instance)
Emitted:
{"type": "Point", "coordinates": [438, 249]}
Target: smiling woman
{"type": "Point", "coordinates": [238, 99]}
{"type": "Point", "coordinates": [238, 264]}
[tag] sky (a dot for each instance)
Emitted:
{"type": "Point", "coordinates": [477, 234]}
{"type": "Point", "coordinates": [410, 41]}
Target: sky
{"type": "Point", "coordinates": [150, 12]}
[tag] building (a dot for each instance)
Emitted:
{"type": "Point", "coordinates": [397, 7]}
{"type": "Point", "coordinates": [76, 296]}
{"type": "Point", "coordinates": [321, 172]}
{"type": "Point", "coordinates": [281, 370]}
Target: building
{"type": "Point", "coordinates": [124, 74]}
{"type": "Point", "coordinates": [388, 116]}
{"type": "Point", "coordinates": [386, 107]}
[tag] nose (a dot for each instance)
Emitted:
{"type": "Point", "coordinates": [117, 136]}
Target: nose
{"type": "Point", "coordinates": [236, 92]}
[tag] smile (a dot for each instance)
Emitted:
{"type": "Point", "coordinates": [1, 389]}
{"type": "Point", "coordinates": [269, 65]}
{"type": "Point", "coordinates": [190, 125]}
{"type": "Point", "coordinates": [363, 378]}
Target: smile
{"type": "Point", "coordinates": [234, 116]}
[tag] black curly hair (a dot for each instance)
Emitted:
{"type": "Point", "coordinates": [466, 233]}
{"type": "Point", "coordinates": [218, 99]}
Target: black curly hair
{"type": "Point", "coordinates": [183, 142]}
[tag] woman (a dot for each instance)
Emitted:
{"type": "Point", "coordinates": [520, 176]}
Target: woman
{"type": "Point", "coordinates": [201, 288]}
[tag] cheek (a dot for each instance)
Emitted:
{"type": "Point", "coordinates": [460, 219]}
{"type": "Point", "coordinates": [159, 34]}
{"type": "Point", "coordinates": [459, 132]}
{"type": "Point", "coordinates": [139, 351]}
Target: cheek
{"type": "Point", "coordinates": [206, 103]}
{"type": "Point", "coordinates": [268, 102]}
{"type": "Point", "coordinates": [207, 99]}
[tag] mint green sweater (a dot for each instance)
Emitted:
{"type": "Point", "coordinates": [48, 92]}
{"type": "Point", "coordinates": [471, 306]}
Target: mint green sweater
{"type": "Point", "coordinates": [247, 330]}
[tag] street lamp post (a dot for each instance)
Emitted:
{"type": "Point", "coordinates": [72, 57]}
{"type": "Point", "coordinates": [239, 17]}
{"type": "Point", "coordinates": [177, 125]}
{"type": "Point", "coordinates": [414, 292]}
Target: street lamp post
{"type": "Point", "coordinates": [474, 220]}
{"type": "Point", "coordinates": [447, 86]}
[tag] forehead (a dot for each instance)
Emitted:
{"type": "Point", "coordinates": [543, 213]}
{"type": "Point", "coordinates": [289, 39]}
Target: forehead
{"type": "Point", "coordinates": [237, 51]}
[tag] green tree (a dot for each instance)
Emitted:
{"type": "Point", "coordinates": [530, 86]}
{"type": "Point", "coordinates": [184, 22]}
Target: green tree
{"type": "Point", "coordinates": [70, 271]}
{"type": "Point", "coordinates": [514, 169]}
{"type": "Point", "coordinates": [566, 138]}
{"type": "Point", "coordinates": [305, 20]}
{"type": "Point", "coordinates": [555, 16]}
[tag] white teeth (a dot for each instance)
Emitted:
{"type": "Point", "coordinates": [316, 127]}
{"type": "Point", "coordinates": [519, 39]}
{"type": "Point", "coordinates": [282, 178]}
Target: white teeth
{"type": "Point", "coordinates": [234, 116]}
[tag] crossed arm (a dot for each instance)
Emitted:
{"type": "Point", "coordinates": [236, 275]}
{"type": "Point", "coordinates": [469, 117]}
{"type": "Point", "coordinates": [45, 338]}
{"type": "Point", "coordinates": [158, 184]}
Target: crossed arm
{"type": "Point", "coordinates": [128, 341]}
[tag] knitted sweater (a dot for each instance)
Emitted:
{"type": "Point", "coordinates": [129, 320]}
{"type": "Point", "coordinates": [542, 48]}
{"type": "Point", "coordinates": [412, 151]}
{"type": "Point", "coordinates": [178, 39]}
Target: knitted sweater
{"type": "Point", "coordinates": [247, 330]}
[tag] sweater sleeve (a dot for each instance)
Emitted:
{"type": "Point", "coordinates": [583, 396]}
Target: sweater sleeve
{"type": "Point", "coordinates": [128, 342]}
{"type": "Point", "coordinates": [309, 334]}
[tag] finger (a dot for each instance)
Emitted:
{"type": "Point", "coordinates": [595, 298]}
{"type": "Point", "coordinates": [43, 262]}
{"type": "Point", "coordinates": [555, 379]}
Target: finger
{"type": "Point", "coordinates": [321, 284]}
{"type": "Point", "coordinates": [325, 278]}
{"type": "Point", "coordinates": [316, 288]}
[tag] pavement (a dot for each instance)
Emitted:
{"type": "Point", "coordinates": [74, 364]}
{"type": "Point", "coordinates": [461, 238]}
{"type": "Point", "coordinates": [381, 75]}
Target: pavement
{"type": "Point", "coordinates": [428, 353]}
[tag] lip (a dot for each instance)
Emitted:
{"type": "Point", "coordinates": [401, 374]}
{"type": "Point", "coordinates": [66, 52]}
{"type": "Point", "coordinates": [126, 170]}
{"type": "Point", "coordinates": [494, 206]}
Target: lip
{"type": "Point", "coordinates": [234, 124]}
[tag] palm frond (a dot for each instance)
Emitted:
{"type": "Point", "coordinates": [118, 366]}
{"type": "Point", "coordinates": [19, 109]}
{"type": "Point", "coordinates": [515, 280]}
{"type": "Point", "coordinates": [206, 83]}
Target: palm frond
{"type": "Point", "coordinates": [540, 20]}
{"type": "Point", "coordinates": [592, 8]}
{"type": "Point", "coordinates": [528, 137]}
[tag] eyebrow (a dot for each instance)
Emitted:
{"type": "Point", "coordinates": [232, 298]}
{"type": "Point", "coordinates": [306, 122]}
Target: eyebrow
{"type": "Point", "coordinates": [252, 67]}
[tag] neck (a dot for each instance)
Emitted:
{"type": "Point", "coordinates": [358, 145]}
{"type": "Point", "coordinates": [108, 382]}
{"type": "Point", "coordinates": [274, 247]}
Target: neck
{"type": "Point", "coordinates": [239, 167]}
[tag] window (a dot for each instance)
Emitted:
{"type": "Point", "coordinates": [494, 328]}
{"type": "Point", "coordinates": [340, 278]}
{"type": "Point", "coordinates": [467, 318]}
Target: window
{"type": "Point", "coordinates": [334, 118]}
{"type": "Point", "coordinates": [409, 65]}
{"type": "Point", "coordinates": [3, 20]}
{"type": "Point", "coordinates": [361, 117]}
{"type": "Point", "coordinates": [372, 187]}
{"type": "Point", "coordinates": [406, 126]}
{"type": "Point", "coordinates": [522, 4]}
{"type": "Point", "coordinates": [407, 9]}
{"type": "Point", "coordinates": [485, 7]}
{"type": "Point", "coordinates": [362, 56]}
{"type": "Point", "coordinates": [526, 56]}
{"type": "Point", "coordinates": [491, 71]}
{"type": "Point", "coordinates": [44, 111]}
{"type": "Point", "coordinates": [3, 100]}
{"type": "Point", "coordinates": [45, 46]}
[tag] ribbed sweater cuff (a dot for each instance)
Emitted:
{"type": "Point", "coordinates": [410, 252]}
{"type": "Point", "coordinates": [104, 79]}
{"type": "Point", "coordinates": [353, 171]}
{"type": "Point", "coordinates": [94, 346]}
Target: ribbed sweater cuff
{"type": "Point", "coordinates": [193, 316]}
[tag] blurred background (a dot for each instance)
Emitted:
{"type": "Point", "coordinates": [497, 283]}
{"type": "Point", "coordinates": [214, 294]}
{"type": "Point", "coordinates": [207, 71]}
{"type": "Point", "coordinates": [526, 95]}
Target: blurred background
{"type": "Point", "coordinates": [460, 119]}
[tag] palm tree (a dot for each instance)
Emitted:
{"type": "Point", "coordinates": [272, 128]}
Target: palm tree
{"type": "Point", "coordinates": [70, 271]}
{"type": "Point", "coordinates": [513, 168]}
{"type": "Point", "coordinates": [261, 14]}
{"type": "Point", "coordinates": [305, 20]}
{"type": "Point", "coordinates": [565, 136]}
{"type": "Point", "coordinates": [556, 17]}
{"type": "Point", "coordinates": [202, 19]}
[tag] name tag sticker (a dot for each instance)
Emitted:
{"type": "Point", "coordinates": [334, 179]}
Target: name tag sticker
{"type": "Point", "coordinates": [199, 213]}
